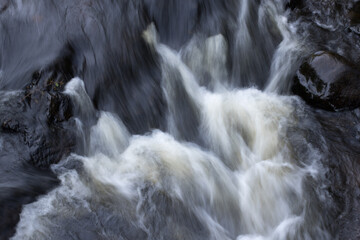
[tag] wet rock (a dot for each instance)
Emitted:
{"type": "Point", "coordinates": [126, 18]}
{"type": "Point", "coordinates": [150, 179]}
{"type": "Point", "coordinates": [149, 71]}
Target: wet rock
{"type": "Point", "coordinates": [21, 184]}
{"type": "Point", "coordinates": [328, 81]}
{"type": "Point", "coordinates": [36, 130]}
{"type": "Point", "coordinates": [329, 25]}
{"type": "Point", "coordinates": [178, 21]}
{"type": "Point", "coordinates": [60, 108]}
{"type": "Point", "coordinates": [294, 4]}
{"type": "Point", "coordinates": [354, 14]}
{"type": "Point", "coordinates": [12, 125]}
{"type": "Point", "coordinates": [335, 136]}
{"type": "Point", "coordinates": [342, 160]}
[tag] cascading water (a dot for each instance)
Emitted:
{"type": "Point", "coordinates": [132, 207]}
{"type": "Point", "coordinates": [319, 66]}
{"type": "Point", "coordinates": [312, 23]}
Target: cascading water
{"type": "Point", "coordinates": [226, 164]}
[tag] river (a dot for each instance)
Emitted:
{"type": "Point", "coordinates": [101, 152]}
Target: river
{"type": "Point", "coordinates": [183, 125]}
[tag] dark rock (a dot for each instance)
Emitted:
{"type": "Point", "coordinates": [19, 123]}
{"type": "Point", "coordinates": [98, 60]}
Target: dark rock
{"type": "Point", "coordinates": [293, 4]}
{"type": "Point", "coordinates": [328, 81]}
{"type": "Point", "coordinates": [354, 14]}
{"type": "Point", "coordinates": [60, 108]}
{"type": "Point", "coordinates": [335, 136]}
{"type": "Point", "coordinates": [329, 25]}
{"type": "Point", "coordinates": [21, 184]}
{"type": "Point", "coordinates": [12, 125]}
{"type": "Point", "coordinates": [36, 130]}
{"type": "Point", "coordinates": [178, 21]}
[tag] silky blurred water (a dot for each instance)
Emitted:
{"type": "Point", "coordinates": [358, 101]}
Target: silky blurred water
{"type": "Point", "coordinates": [222, 162]}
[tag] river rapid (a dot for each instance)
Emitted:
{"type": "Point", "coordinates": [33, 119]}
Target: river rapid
{"type": "Point", "coordinates": [181, 124]}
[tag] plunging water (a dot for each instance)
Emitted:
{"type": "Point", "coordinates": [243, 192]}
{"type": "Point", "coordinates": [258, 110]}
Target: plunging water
{"type": "Point", "coordinates": [223, 167]}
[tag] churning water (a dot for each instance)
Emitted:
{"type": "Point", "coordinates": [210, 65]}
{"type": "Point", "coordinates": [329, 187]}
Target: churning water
{"type": "Point", "coordinates": [222, 168]}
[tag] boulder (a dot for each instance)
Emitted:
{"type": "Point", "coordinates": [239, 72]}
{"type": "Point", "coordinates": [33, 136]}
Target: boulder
{"type": "Point", "coordinates": [328, 81]}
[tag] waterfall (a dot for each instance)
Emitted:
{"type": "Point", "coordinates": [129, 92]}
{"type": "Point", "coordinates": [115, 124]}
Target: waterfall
{"type": "Point", "coordinates": [222, 167]}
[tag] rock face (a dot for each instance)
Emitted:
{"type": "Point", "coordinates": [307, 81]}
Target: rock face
{"type": "Point", "coordinates": [328, 81]}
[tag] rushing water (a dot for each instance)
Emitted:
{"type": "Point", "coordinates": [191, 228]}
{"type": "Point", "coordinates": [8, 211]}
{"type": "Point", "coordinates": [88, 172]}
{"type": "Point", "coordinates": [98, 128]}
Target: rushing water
{"type": "Point", "coordinates": [230, 159]}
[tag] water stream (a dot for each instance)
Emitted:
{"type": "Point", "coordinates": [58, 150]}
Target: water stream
{"type": "Point", "coordinates": [224, 164]}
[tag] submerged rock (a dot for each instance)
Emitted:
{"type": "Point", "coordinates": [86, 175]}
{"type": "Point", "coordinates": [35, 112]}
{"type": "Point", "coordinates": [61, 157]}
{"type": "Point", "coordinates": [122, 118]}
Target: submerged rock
{"type": "Point", "coordinates": [328, 81]}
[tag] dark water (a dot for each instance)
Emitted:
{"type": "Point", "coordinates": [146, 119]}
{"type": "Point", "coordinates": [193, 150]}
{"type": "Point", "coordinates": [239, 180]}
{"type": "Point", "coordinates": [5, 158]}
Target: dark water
{"type": "Point", "coordinates": [169, 119]}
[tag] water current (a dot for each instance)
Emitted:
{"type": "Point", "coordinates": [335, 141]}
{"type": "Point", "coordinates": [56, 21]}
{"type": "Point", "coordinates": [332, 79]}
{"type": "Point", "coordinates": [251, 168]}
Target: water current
{"type": "Point", "coordinates": [230, 159]}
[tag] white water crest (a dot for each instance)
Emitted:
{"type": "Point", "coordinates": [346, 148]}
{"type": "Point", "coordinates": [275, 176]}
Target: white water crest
{"type": "Point", "coordinates": [236, 178]}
